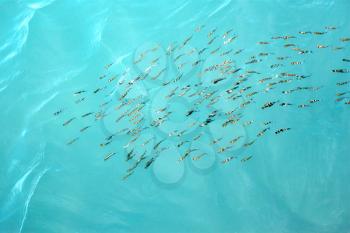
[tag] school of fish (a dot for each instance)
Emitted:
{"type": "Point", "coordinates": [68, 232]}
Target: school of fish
{"type": "Point", "coordinates": [205, 76]}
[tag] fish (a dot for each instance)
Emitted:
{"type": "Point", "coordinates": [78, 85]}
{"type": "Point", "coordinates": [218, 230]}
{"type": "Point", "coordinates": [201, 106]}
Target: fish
{"type": "Point", "coordinates": [245, 159]}
{"type": "Point", "coordinates": [244, 104]}
{"type": "Point", "coordinates": [282, 58]}
{"type": "Point", "coordinates": [304, 51]}
{"type": "Point", "coordinates": [108, 66]}
{"type": "Point", "coordinates": [252, 94]}
{"type": "Point", "coordinates": [247, 123]}
{"type": "Point", "coordinates": [127, 175]}
{"type": "Point", "coordinates": [249, 143]}
{"type": "Point", "coordinates": [252, 61]}
{"type": "Point", "coordinates": [87, 114]}
{"type": "Point", "coordinates": [110, 137]}
{"type": "Point", "coordinates": [262, 132]}
{"type": "Point", "coordinates": [212, 40]}
{"type": "Point", "coordinates": [110, 80]}
{"type": "Point", "coordinates": [197, 62]}
{"type": "Point", "coordinates": [199, 28]}
{"type": "Point", "coordinates": [179, 56]}
{"type": "Point", "coordinates": [129, 155]}
{"type": "Point", "coordinates": [303, 106]}
{"type": "Point", "coordinates": [345, 39]}
{"type": "Point", "coordinates": [252, 72]}
{"type": "Point", "coordinates": [198, 157]}
{"type": "Point", "coordinates": [190, 112]}
{"type": "Point", "coordinates": [269, 104]}
{"type": "Point", "coordinates": [79, 92]}
{"type": "Point", "coordinates": [238, 51]}
{"type": "Point", "coordinates": [84, 128]}
{"type": "Point", "coordinates": [80, 100]}
{"type": "Point", "coordinates": [340, 99]}
{"type": "Point", "coordinates": [319, 46]}
{"type": "Point", "coordinates": [215, 81]}
{"type": "Point", "coordinates": [341, 93]}
{"type": "Point", "coordinates": [236, 78]}
{"type": "Point", "coordinates": [282, 130]}
{"type": "Point", "coordinates": [267, 122]}
{"type": "Point", "coordinates": [229, 121]}
{"type": "Point", "coordinates": [340, 71]}
{"type": "Point", "coordinates": [105, 144]}
{"type": "Point", "coordinates": [226, 33]}
{"type": "Point", "coordinates": [229, 40]}
{"type": "Point", "coordinates": [223, 149]}
{"type": "Point", "coordinates": [319, 33]}
{"type": "Point", "coordinates": [282, 37]}
{"type": "Point", "coordinates": [197, 137]}
{"type": "Point", "coordinates": [68, 121]}
{"type": "Point", "coordinates": [211, 32]}
{"type": "Point", "coordinates": [202, 50]}
{"type": "Point", "coordinates": [228, 159]}
{"type": "Point", "coordinates": [157, 144]}
{"type": "Point", "coordinates": [275, 66]}
{"type": "Point", "coordinates": [285, 104]}
{"type": "Point", "coordinates": [72, 141]}
{"type": "Point", "coordinates": [289, 45]}
{"type": "Point", "coordinates": [99, 115]}
{"type": "Point", "coordinates": [187, 152]}
{"type": "Point", "coordinates": [109, 155]}
{"type": "Point", "coordinates": [215, 141]}
{"type": "Point", "coordinates": [300, 77]}
{"type": "Point", "coordinates": [264, 79]}
{"type": "Point", "coordinates": [226, 52]}
{"type": "Point", "coordinates": [314, 101]}
{"type": "Point", "coordinates": [97, 90]}
{"type": "Point", "coordinates": [305, 32]}
{"type": "Point", "coordinates": [215, 50]}
{"type": "Point", "coordinates": [343, 83]}
{"type": "Point", "coordinates": [58, 112]}
{"type": "Point", "coordinates": [155, 61]}
{"type": "Point", "coordinates": [263, 54]}
{"type": "Point", "coordinates": [149, 162]}
{"type": "Point", "coordinates": [182, 143]}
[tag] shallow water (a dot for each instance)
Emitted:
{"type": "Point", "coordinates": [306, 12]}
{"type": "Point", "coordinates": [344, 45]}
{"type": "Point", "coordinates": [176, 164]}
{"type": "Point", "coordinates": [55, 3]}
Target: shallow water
{"type": "Point", "coordinates": [297, 182]}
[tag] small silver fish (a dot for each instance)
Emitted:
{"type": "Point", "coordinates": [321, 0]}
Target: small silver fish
{"type": "Point", "coordinates": [109, 155]}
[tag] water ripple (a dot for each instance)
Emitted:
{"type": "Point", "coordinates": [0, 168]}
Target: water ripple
{"type": "Point", "coordinates": [14, 44]}
{"type": "Point", "coordinates": [43, 103]}
{"type": "Point", "coordinates": [35, 5]}
{"type": "Point", "coordinates": [15, 206]}
{"type": "Point", "coordinates": [30, 195]}
{"type": "Point", "coordinates": [223, 5]}
{"type": "Point", "coordinates": [177, 10]}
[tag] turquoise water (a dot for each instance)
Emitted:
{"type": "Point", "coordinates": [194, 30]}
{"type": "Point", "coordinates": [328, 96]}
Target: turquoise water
{"type": "Point", "coordinates": [296, 181]}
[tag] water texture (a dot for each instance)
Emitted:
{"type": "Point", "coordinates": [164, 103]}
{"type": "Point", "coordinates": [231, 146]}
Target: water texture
{"type": "Point", "coordinates": [295, 183]}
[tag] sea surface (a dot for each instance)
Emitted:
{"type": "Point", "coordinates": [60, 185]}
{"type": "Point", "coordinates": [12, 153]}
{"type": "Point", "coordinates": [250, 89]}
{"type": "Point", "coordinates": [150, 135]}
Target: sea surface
{"type": "Point", "coordinates": [296, 181]}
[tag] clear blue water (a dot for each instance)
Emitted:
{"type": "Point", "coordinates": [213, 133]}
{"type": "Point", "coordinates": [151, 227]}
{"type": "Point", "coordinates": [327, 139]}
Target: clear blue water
{"type": "Point", "coordinates": [297, 181]}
